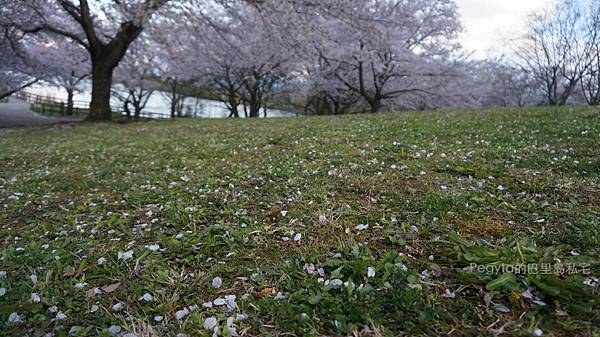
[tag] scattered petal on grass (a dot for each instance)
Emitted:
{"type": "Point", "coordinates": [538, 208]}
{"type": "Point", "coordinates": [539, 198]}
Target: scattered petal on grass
{"type": "Point", "coordinates": [60, 316]}
{"type": "Point", "coordinates": [298, 237]}
{"type": "Point", "coordinates": [158, 318]}
{"type": "Point", "coordinates": [93, 292]}
{"type": "Point", "coordinates": [361, 227]}
{"type": "Point", "coordinates": [14, 318]}
{"type": "Point", "coordinates": [94, 308]}
{"type": "Point", "coordinates": [101, 261]}
{"type": "Point", "coordinates": [501, 308]}
{"type": "Point", "coordinates": [35, 298]}
{"type": "Point", "coordinates": [125, 256]}
{"type": "Point", "coordinates": [210, 323]}
{"type": "Point", "coordinates": [146, 298]}
{"type": "Point", "coordinates": [80, 285]}
{"type": "Point", "coordinates": [114, 329]}
{"type": "Point", "coordinates": [370, 272]}
{"type": "Point", "coordinates": [152, 248]}
{"type": "Point", "coordinates": [2, 291]}
{"type": "Point", "coordinates": [336, 282]}
{"type": "Point", "coordinates": [117, 307]}
{"type": "Point", "coordinates": [230, 301]}
{"type": "Point", "coordinates": [449, 294]}
{"type": "Point", "coordinates": [217, 282]}
{"type": "Point", "coordinates": [179, 315]}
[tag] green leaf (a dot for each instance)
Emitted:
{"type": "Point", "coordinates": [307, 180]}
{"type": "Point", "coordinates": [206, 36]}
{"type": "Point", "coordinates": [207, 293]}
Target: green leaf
{"type": "Point", "coordinates": [504, 280]}
{"type": "Point", "coordinates": [544, 287]}
{"type": "Point", "coordinates": [336, 273]}
{"type": "Point", "coordinates": [454, 237]}
{"type": "Point", "coordinates": [314, 299]}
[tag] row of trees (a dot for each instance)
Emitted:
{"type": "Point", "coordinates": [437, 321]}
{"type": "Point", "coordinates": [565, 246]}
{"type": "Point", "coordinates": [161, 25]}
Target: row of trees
{"type": "Point", "coordinates": [561, 51]}
{"type": "Point", "coordinates": [314, 57]}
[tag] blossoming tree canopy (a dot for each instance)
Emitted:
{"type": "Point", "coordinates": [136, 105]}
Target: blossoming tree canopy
{"type": "Point", "coordinates": [105, 29]}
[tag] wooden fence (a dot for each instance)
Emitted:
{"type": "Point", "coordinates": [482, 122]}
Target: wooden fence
{"type": "Point", "coordinates": [52, 105]}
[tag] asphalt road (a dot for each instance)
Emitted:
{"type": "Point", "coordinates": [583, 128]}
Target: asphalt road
{"type": "Point", "coordinates": [16, 113]}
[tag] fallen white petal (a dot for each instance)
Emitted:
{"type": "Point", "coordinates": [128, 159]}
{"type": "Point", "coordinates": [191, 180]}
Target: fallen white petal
{"type": "Point", "coordinates": [210, 323]}
{"type": "Point", "coordinates": [181, 313]}
{"type": "Point", "coordinates": [35, 297]}
{"type": "Point", "coordinates": [152, 247]}
{"type": "Point", "coordinates": [14, 318]}
{"type": "Point", "coordinates": [146, 298]}
{"type": "Point", "coordinates": [217, 282]}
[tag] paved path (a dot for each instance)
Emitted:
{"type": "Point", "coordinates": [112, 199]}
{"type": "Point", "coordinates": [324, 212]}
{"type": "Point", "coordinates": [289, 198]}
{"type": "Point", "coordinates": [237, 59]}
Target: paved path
{"type": "Point", "coordinates": [16, 113]}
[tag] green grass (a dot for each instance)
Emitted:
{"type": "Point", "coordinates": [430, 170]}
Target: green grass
{"type": "Point", "coordinates": [439, 191]}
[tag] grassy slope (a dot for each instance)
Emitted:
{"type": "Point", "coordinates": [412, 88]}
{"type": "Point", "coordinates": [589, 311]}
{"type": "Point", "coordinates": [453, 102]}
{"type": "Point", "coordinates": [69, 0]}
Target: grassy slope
{"type": "Point", "coordinates": [69, 196]}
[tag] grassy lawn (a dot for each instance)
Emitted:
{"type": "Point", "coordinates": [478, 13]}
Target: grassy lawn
{"type": "Point", "coordinates": [383, 225]}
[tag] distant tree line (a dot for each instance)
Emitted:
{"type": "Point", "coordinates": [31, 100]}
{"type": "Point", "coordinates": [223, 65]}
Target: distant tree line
{"type": "Point", "coordinates": [311, 57]}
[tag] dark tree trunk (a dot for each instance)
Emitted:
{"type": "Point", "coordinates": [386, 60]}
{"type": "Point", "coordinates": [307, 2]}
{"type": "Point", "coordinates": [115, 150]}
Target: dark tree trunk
{"type": "Point", "coordinates": [233, 112]}
{"type": "Point", "coordinates": [126, 109]}
{"type": "Point", "coordinates": [137, 111]}
{"type": "Point", "coordinates": [233, 105]}
{"type": "Point", "coordinates": [174, 98]}
{"type": "Point", "coordinates": [254, 110]}
{"type": "Point", "coordinates": [375, 105]}
{"type": "Point", "coordinates": [254, 106]}
{"type": "Point", "coordinates": [70, 95]}
{"type": "Point", "coordinates": [101, 85]}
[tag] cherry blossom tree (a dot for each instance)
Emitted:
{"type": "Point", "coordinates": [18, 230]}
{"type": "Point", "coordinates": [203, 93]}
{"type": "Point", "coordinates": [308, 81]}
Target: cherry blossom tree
{"type": "Point", "coordinates": [66, 65]}
{"type": "Point", "coordinates": [17, 69]}
{"type": "Point", "coordinates": [387, 52]}
{"type": "Point", "coordinates": [497, 82]}
{"type": "Point", "coordinates": [104, 29]}
{"type": "Point", "coordinates": [136, 77]}
{"type": "Point", "coordinates": [554, 50]}
{"type": "Point", "coordinates": [240, 56]}
{"type": "Point", "coordinates": [590, 82]}
{"type": "Point", "coordinates": [177, 60]}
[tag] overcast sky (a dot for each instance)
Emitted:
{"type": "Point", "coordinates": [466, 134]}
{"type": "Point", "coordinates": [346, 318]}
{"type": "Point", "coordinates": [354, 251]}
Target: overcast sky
{"type": "Point", "coordinates": [488, 22]}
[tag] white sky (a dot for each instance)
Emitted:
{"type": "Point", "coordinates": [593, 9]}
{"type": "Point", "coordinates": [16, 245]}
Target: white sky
{"type": "Point", "coordinates": [490, 23]}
